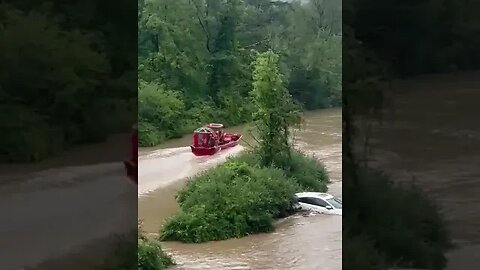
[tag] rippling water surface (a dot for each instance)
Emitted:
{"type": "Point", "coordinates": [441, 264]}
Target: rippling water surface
{"type": "Point", "coordinates": [431, 133]}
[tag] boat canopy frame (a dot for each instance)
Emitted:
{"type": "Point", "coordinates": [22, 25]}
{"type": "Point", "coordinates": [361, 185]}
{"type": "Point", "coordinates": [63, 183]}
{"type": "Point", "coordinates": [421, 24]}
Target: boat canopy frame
{"type": "Point", "coordinates": [202, 137]}
{"type": "Point", "coordinates": [215, 126]}
{"type": "Point", "coordinates": [204, 130]}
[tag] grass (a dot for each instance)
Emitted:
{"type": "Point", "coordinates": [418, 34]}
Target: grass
{"type": "Point", "coordinates": [240, 198]}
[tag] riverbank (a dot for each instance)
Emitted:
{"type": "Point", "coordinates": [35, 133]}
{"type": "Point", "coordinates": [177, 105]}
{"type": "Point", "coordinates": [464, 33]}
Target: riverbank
{"type": "Point", "coordinates": [114, 149]}
{"type": "Point", "coordinates": [150, 253]}
{"type": "Point", "coordinates": [438, 146]}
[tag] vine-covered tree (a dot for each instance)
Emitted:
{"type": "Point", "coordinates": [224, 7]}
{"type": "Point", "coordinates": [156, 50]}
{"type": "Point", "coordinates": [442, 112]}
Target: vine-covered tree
{"type": "Point", "coordinates": [275, 110]}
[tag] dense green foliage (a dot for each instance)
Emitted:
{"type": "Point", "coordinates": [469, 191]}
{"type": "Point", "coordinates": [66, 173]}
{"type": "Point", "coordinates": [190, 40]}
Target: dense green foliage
{"type": "Point", "coordinates": [196, 56]}
{"type": "Point", "coordinates": [302, 168]}
{"type": "Point", "coordinates": [61, 80]}
{"type": "Point", "coordinates": [404, 230]}
{"type": "Point", "coordinates": [239, 198]}
{"type": "Point", "coordinates": [150, 255]}
{"type": "Point", "coordinates": [417, 37]}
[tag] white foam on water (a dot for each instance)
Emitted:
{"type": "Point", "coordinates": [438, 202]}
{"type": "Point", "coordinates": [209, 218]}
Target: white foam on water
{"type": "Point", "coordinates": [175, 164]}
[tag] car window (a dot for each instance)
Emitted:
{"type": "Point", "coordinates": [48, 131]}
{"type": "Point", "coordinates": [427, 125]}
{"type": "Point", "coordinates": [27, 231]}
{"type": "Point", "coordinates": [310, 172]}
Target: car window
{"type": "Point", "coordinates": [318, 202]}
{"type": "Point", "coordinates": [304, 200]}
{"type": "Point", "coordinates": [335, 203]}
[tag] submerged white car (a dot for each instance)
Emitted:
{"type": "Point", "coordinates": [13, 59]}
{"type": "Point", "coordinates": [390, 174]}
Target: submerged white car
{"type": "Point", "coordinates": [318, 202]}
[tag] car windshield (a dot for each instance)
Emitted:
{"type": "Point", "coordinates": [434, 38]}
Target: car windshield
{"type": "Point", "coordinates": [335, 203]}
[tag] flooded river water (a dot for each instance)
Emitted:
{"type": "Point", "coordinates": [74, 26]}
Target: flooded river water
{"type": "Point", "coordinates": [431, 133]}
{"type": "Point", "coordinates": [306, 243]}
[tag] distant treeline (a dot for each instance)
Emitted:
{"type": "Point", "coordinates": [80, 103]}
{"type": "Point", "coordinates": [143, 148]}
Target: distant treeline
{"type": "Point", "coordinates": [417, 37]}
{"type": "Point", "coordinates": [195, 59]}
{"type": "Point", "coordinates": [68, 75]}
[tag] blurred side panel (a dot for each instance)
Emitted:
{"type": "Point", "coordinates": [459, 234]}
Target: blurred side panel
{"type": "Point", "coordinates": [68, 101]}
{"type": "Point", "coordinates": [411, 150]}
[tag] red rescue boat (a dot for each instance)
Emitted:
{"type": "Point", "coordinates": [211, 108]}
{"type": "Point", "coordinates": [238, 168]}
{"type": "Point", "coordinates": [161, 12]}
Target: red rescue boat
{"type": "Point", "coordinates": [210, 139]}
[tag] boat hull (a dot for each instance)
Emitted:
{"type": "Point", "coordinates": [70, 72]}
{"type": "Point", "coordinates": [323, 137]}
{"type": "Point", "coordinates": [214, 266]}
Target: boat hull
{"type": "Point", "coordinates": [204, 151]}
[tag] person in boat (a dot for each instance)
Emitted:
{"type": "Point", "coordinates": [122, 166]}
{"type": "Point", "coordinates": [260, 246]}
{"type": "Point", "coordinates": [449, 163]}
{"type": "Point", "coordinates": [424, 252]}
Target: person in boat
{"type": "Point", "coordinates": [220, 136]}
{"type": "Point", "coordinates": [205, 140]}
{"type": "Point", "coordinates": [211, 141]}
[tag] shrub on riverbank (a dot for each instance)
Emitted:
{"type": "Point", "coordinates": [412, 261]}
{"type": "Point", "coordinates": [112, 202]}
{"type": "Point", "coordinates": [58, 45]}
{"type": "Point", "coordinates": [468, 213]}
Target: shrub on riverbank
{"type": "Point", "coordinates": [405, 230]}
{"type": "Point", "coordinates": [150, 254]}
{"type": "Point", "coordinates": [310, 174]}
{"type": "Point", "coordinates": [236, 199]}
{"type": "Point", "coordinates": [145, 254]}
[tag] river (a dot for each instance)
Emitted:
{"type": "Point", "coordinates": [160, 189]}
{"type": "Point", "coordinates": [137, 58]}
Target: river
{"type": "Point", "coordinates": [304, 243]}
{"type": "Point", "coordinates": [62, 213]}
{"type": "Point", "coordinates": [430, 132]}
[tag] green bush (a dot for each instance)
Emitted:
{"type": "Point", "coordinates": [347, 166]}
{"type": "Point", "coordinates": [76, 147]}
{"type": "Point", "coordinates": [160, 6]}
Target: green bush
{"type": "Point", "coordinates": [236, 199]}
{"type": "Point", "coordinates": [150, 253]}
{"type": "Point", "coordinates": [151, 256]}
{"type": "Point", "coordinates": [160, 112]}
{"type": "Point", "coordinates": [310, 174]}
{"type": "Point", "coordinates": [26, 136]}
{"type": "Point", "coordinates": [149, 135]}
{"type": "Point", "coordinates": [232, 200]}
{"type": "Point", "coordinates": [57, 93]}
{"type": "Point", "coordinates": [306, 170]}
{"type": "Point", "coordinates": [135, 251]}
{"type": "Point", "coordinates": [406, 227]}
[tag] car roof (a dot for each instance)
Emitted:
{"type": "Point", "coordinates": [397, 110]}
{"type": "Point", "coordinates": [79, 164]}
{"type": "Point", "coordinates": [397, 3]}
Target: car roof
{"type": "Point", "coordinates": [314, 194]}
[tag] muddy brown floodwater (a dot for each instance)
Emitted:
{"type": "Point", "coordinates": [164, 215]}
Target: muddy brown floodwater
{"type": "Point", "coordinates": [432, 134]}
{"type": "Point", "coordinates": [55, 214]}
{"type": "Point", "coordinates": [306, 243]}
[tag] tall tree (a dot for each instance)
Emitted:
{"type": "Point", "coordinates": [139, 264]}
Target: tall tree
{"type": "Point", "coordinates": [275, 110]}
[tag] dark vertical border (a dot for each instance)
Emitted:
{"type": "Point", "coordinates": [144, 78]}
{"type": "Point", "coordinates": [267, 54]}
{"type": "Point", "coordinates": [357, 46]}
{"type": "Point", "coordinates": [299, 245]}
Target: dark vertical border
{"type": "Point", "coordinates": [411, 134]}
{"type": "Point", "coordinates": [68, 101]}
